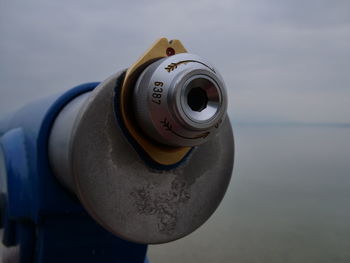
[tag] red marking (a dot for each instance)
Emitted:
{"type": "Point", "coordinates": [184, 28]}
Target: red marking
{"type": "Point", "coordinates": [170, 51]}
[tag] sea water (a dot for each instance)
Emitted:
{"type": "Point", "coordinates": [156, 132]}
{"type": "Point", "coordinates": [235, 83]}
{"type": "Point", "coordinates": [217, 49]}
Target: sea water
{"type": "Point", "coordinates": [288, 201]}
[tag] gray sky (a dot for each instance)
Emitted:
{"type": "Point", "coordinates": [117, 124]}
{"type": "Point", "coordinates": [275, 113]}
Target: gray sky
{"type": "Point", "coordinates": [283, 61]}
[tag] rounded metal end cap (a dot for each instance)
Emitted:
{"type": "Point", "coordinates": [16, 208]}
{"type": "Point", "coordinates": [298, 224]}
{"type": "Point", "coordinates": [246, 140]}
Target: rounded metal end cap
{"type": "Point", "coordinates": [180, 100]}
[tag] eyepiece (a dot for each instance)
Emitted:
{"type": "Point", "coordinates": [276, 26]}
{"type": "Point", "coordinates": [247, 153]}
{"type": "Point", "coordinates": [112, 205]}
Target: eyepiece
{"type": "Point", "coordinates": [197, 99]}
{"type": "Point", "coordinates": [203, 98]}
{"type": "Point", "coordinates": [180, 100]}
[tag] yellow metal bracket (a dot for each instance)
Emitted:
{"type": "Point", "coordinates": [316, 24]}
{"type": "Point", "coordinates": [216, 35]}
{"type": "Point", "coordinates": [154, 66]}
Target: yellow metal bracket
{"type": "Point", "coordinates": [159, 153]}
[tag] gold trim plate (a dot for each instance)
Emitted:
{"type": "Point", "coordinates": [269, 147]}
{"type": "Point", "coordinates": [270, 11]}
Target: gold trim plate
{"type": "Point", "coordinates": [164, 155]}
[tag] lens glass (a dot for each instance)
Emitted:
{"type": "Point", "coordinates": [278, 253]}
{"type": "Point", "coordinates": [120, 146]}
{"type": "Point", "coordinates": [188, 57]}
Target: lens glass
{"type": "Point", "coordinates": [202, 98]}
{"type": "Point", "coordinates": [197, 99]}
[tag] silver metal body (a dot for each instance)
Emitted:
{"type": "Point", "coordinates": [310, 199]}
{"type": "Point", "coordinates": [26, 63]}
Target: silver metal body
{"type": "Point", "coordinates": [61, 140]}
{"type": "Point", "coordinates": [92, 158]}
{"type": "Point", "coordinates": [180, 100]}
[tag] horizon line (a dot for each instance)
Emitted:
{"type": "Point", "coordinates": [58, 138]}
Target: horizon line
{"type": "Point", "coordinates": [292, 123]}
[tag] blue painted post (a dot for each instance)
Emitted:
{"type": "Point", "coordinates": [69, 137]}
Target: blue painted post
{"type": "Point", "coordinates": [43, 219]}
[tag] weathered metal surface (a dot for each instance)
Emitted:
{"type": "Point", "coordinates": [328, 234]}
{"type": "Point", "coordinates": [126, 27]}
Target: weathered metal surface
{"type": "Point", "coordinates": [129, 198]}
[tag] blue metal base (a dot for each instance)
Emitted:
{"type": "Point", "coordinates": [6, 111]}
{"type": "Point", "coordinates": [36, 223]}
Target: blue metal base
{"type": "Point", "coordinates": [46, 221]}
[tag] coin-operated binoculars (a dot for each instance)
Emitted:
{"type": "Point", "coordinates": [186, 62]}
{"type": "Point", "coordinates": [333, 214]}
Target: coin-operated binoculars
{"type": "Point", "coordinates": [99, 172]}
